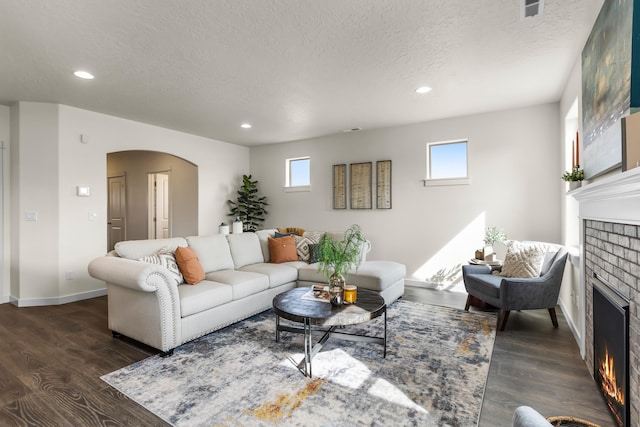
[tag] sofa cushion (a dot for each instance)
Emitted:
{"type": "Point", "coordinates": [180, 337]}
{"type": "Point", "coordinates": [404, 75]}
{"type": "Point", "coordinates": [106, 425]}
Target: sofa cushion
{"type": "Point", "coordinates": [263, 236]}
{"type": "Point", "coordinates": [376, 275]}
{"type": "Point", "coordinates": [194, 299]}
{"type": "Point", "coordinates": [135, 249]}
{"type": "Point", "coordinates": [189, 265]}
{"type": "Point", "coordinates": [283, 249]}
{"type": "Point", "coordinates": [165, 258]}
{"type": "Point", "coordinates": [523, 259]}
{"type": "Point", "coordinates": [373, 275]}
{"type": "Point", "coordinates": [243, 283]}
{"type": "Point", "coordinates": [278, 274]}
{"type": "Point", "coordinates": [245, 249]}
{"type": "Point", "coordinates": [213, 252]}
{"type": "Point", "coordinates": [483, 284]}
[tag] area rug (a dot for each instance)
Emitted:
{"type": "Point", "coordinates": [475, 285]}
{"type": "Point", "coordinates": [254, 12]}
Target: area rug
{"type": "Point", "coordinates": [434, 374]}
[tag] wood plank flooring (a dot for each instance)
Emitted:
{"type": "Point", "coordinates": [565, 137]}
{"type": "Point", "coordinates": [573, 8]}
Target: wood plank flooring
{"type": "Point", "coordinates": [51, 359]}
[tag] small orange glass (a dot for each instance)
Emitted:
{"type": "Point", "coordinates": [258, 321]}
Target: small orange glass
{"type": "Point", "coordinates": [350, 294]}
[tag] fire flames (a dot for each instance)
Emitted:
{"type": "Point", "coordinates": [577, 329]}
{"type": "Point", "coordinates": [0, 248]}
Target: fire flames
{"type": "Point", "coordinates": [608, 381]}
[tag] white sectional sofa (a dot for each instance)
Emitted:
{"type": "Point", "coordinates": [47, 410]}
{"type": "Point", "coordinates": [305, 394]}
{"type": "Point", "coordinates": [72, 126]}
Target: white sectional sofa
{"type": "Point", "coordinates": [147, 304]}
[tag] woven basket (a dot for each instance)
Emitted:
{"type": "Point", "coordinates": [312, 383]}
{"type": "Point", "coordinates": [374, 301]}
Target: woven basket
{"type": "Point", "coordinates": [570, 422]}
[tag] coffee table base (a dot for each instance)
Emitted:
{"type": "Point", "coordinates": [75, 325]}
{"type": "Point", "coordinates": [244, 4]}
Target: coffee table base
{"type": "Point", "coordinates": [310, 350]}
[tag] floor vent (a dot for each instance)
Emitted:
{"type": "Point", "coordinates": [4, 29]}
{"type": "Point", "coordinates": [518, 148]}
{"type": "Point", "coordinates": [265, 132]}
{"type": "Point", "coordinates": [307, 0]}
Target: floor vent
{"type": "Point", "coordinates": [531, 8]}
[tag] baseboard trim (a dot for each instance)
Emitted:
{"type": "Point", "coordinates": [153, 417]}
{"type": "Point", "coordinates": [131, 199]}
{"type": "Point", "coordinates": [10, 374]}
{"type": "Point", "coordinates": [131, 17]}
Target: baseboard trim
{"type": "Point", "coordinates": [37, 302]}
{"type": "Point", "coordinates": [572, 326]}
{"type": "Point", "coordinates": [420, 284]}
{"type": "Point", "coordinates": [4, 299]}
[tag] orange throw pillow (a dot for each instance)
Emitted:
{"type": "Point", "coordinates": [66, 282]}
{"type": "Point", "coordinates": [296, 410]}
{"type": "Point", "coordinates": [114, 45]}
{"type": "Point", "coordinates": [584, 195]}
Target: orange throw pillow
{"type": "Point", "coordinates": [189, 265]}
{"type": "Point", "coordinates": [283, 249]}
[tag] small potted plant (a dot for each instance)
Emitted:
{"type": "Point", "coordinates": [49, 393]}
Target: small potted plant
{"type": "Point", "coordinates": [492, 236]}
{"type": "Point", "coordinates": [574, 177]}
{"type": "Point", "coordinates": [336, 258]}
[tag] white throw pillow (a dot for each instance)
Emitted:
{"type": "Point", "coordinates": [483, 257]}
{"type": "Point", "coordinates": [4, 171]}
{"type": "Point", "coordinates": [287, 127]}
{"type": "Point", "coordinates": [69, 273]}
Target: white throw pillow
{"type": "Point", "coordinates": [523, 259]}
{"type": "Point", "coordinates": [166, 258]}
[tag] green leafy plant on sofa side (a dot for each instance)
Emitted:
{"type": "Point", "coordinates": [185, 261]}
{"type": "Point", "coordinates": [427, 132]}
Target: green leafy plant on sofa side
{"type": "Point", "coordinates": [250, 206]}
{"type": "Point", "coordinates": [338, 257]}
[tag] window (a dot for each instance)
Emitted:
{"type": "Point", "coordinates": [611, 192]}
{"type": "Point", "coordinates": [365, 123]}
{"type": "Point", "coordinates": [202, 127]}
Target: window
{"type": "Point", "coordinates": [447, 163]}
{"type": "Point", "coordinates": [298, 174]}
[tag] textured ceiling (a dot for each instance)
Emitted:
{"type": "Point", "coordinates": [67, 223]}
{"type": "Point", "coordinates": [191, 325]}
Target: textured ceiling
{"type": "Point", "coordinates": [294, 69]}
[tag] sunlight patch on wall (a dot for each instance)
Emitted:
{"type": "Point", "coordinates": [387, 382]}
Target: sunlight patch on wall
{"type": "Point", "coordinates": [443, 270]}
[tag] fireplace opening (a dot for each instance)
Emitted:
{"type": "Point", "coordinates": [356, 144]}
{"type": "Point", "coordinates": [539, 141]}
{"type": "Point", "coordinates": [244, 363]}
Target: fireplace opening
{"type": "Point", "coordinates": [611, 349]}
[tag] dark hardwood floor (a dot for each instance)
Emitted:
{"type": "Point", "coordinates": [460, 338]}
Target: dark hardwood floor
{"type": "Point", "coordinates": [51, 360]}
{"type": "Point", "coordinates": [533, 364]}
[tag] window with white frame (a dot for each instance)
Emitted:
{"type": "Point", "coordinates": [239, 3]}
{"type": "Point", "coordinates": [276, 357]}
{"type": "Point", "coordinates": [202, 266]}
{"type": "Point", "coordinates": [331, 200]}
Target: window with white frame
{"type": "Point", "coordinates": [447, 163]}
{"type": "Point", "coordinates": [298, 174]}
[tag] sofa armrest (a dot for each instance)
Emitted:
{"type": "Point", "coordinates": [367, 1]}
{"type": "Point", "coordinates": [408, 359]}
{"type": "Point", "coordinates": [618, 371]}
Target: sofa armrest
{"type": "Point", "coordinates": [132, 274]}
{"type": "Point", "coordinates": [143, 303]}
{"type": "Point", "coordinates": [475, 269]}
{"type": "Point", "coordinates": [529, 294]}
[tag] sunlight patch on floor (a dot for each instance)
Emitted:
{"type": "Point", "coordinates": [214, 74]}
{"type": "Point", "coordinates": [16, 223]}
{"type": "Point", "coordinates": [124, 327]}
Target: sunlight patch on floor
{"type": "Point", "coordinates": [340, 368]}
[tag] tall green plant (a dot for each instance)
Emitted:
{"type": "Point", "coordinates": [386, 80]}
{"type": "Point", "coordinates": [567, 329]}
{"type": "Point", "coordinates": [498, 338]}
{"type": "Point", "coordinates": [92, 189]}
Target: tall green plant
{"type": "Point", "coordinates": [340, 256]}
{"type": "Point", "coordinates": [250, 206]}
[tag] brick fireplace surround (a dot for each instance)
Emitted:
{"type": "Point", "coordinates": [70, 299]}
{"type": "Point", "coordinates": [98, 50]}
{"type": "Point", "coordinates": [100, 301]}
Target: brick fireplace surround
{"type": "Point", "coordinates": [609, 210]}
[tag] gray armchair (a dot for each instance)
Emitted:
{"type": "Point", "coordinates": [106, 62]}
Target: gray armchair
{"type": "Point", "coordinates": [509, 294]}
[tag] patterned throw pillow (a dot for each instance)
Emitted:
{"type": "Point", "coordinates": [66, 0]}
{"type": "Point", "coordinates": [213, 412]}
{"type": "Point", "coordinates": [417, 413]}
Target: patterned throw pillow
{"type": "Point", "coordinates": [523, 259]}
{"type": "Point", "coordinates": [303, 246]}
{"type": "Point", "coordinates": [165, 258]}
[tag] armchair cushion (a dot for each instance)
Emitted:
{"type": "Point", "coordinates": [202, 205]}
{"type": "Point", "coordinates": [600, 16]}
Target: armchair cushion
{"type": "Point", "coordinates": [483, 284]}
{"type": "Point", "coordinates": [523, 259]}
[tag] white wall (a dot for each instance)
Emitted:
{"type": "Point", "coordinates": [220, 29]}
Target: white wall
{"type": "Point", "coordinates": [53, 161]}
{"type": "Point", "coordinates": [5, 135]}
{"type": "Point", "coordinates": [34, 183]}
{"type": "Point", "coordinates": [571, 294]}
{"type": "Point", "coordinates": [514, 165]}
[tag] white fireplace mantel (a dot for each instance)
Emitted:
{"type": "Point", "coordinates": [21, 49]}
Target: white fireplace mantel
{"type": "Point", "coordinates": [615, 198]}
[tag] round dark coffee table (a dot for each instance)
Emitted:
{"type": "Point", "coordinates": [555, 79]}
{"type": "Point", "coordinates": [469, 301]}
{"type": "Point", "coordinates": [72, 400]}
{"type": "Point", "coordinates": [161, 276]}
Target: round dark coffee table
{"type": "Point", "coordinates": [319, 317]}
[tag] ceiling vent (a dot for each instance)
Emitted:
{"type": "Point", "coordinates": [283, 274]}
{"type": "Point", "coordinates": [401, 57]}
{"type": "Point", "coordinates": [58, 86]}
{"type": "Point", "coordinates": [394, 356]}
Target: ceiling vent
{"type": "Point", "coordinates": [531, 8]}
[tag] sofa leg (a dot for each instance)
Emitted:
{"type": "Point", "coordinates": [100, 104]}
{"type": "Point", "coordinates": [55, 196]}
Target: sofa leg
{"type": "Point", "coordinates": [468, 303]}
{"type": "Point", "coordinates": [554, 318]}
{"type": "Point", "coordinates": [502, 319]}
{"type": "Point", "coordinates": [167, 353]}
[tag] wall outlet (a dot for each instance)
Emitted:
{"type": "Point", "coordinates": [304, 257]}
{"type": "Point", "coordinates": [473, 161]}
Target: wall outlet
{"type": "Point", "coordinates": [93, 216]}
{"type": "Point", "coordinates": [31, 216]}
{"type": "Point", "coordinates": [69, 275]}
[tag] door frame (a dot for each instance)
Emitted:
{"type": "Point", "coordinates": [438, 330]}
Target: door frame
{"type": "Point", "coordinates": [151, 202]}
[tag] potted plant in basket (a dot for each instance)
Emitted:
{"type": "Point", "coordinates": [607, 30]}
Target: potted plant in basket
{"type": "Point", "coordinates": [336, 258]}
{"type": "Point", "coordinates": [574, 177]}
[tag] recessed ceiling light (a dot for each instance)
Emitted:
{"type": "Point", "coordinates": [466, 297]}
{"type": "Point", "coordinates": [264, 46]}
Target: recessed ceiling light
{"type": "Point", "coordinates": [83, 75]}
{"type": "Point", "coordinates": [423, 89]}
{"type": "Point", "coordinates": [245, 126]}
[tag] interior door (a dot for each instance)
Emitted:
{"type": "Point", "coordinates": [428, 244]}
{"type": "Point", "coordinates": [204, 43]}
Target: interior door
{"type": "Point", "coordinates": [117, 210]}
{"type": "Point", "coordinates": [159, 215]}
{"type": "Point", "coordinates": [162, 206]}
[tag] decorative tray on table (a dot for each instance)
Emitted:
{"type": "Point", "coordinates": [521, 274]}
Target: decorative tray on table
{"type": "Point", "coordinates": [494, 263]}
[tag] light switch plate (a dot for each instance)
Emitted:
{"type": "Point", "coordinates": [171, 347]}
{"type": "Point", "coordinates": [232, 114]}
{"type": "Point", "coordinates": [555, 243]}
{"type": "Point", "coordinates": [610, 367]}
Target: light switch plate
{"type": "Point", "coordinates": [83, 191]}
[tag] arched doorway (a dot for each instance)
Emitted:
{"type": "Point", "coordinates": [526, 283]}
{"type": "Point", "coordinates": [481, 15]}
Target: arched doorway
{"type": "Point", "coordinates": [133, 171]}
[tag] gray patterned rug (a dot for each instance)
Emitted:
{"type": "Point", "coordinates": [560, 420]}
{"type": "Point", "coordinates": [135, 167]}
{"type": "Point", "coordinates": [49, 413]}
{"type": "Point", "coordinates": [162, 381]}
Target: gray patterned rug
{"type": "Point", "coordinates": [434, 374]}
